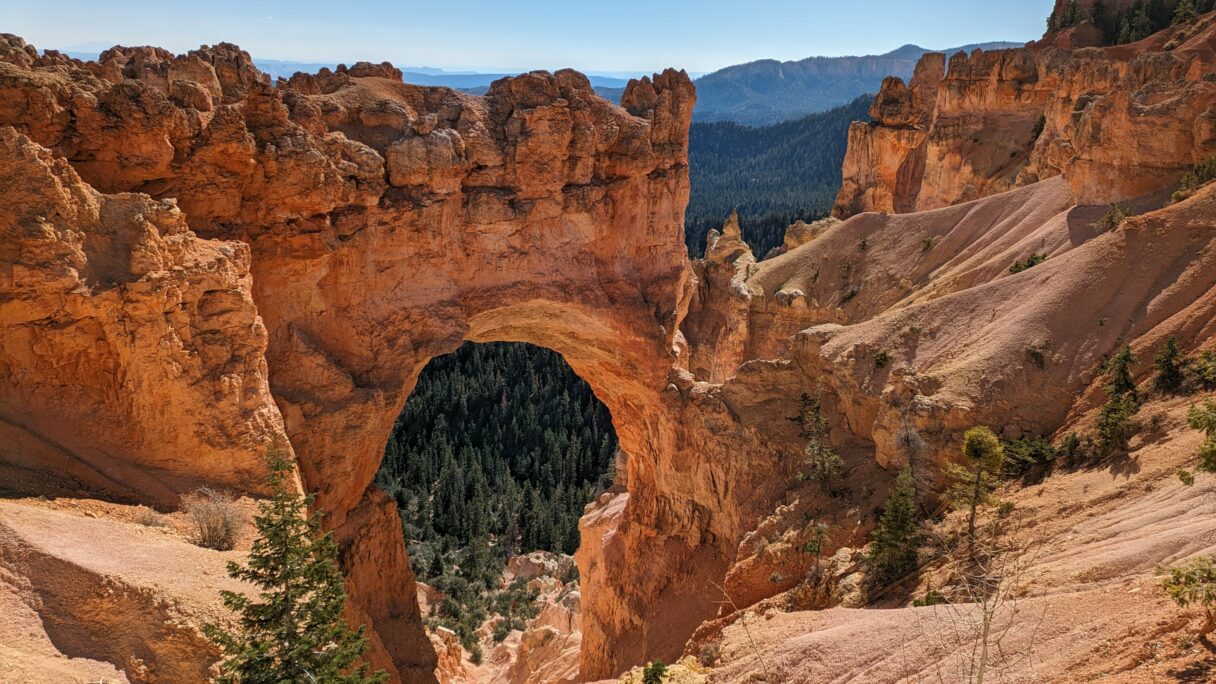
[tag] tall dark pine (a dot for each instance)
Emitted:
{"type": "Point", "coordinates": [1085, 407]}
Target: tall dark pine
{"type": "Point", "coordinates": [293, 631]}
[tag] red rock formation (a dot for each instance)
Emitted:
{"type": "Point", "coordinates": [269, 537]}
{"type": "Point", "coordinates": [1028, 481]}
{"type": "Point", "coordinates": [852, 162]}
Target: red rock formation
{"type": "Point", "coordinates": [384, 224]}
{"type": "Point", "coordinates": [1117, 123]}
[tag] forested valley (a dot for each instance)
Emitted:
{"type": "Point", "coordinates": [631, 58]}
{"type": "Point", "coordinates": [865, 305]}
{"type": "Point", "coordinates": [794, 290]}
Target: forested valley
{"type": "Point", "coordinates": [773, 175]}
{"type": "Point", "coordinates": [497, 451]}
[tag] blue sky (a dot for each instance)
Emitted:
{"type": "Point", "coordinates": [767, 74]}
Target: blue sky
{"type": "Point", "coordinates": [625, 35]}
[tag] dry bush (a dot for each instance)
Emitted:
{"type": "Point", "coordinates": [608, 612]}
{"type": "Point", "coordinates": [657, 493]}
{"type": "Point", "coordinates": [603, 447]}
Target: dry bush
{"type": "Point", "coordinates": [217, 519]}
{"type": "Point", "coordinates": [147, 517]}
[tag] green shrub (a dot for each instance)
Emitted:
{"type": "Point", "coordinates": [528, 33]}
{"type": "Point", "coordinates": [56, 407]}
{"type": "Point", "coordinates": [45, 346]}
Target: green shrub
{"type": "Point", "coordinates": [1203, 417]}
{"type": "Point", "coordinates": [1026, 455]}
{"type": "Point", "coordinates": [1195, 583]}
{"type": "Point", "coordinates": [1200, 174]}
{"type": "Point", "coordinates": [881, 358]}
{"type": "Point", "coordinates": [1205, 370]}
{"type": "Point", "coordinates": [654, 672]}
{"type": "Point", "coordinates": [932, 597]}
{"type": "Point", "coordinates": [1033, 260]}
{"type": "Point", "coordinates": [1113, 218]}
{"type": "Point", "coordinates": [927, 243]}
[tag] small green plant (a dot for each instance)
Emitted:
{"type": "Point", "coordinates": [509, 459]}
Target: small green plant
{"type": "Point", "coordinates": [1037, 355]}
{"type": "Point", "coordinates": [654, 672]}
{"type": "Point", "coordinates": [1112, 219]}
{"type": "Point", "coordinates": [1171, 367]}
{"type": "Point", "coordinates": [896, 539]}
{"type": "Point", "coordinates": [881, 358]}
{"type": "Point", "coordinates": [1199, 175]}
{"type": "Point", "coordinates": [1186, 477]}
{"type": "Point", "coordinates": [1194, 583]}
{"type": "Point", "coordinates": [927, 243]}
{"type": "Point", "coordinates": [819, 533]}
{"type": "Point", "coordinates": [1033, 260]}
{"type": "Point", "coordinates": [1069, 449]}
{"type": "Point", "coordinates": [1203, 417]}
{"type": "Point", "coordinates": [501, 630]}
{"type": "Point", "coordinates": [864, 244]}
{"type": "Point", "coordinates": [776, 578]}
{"type": "Point", "coordinates": [932, 597]}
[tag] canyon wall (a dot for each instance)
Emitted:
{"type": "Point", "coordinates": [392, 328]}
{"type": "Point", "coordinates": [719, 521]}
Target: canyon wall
{"type": "Point", "coordinates": [1116, 122]}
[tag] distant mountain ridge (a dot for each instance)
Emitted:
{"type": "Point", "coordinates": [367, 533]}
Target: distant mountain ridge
{"type": "Point", "coordinates": [768, 91]}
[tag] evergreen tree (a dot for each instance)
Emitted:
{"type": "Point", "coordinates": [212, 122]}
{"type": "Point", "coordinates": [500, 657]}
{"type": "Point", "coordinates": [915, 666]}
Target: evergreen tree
{"type": "Point", "coordinates": [823, 464]}
{"type": "Point", "coordinates": [896, 539]}
{"type": "Point", "coordinates": [1119, 373]}
{"type": "Point", "coordinates": [1170, 367]}
{"type": "Point", "coordinates": [293, 632]}
{"type": "Point", "coordinates": [972, 484]}
{"type": "Point", "coordinates": [1184, 12]}
{"type": "Point", "coordinates": [1114, 420]}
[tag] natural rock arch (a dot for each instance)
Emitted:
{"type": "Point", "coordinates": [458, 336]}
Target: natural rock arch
{"type": "Point", "coordinates": [346, 229]}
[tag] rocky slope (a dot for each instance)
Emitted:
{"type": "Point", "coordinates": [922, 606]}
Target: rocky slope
{"type": "Point", "coordinates": [331, 234]}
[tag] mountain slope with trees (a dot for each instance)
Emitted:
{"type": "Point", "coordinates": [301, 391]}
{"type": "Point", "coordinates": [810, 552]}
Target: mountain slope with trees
{"type": "Point", "coordinates": [773, 175]}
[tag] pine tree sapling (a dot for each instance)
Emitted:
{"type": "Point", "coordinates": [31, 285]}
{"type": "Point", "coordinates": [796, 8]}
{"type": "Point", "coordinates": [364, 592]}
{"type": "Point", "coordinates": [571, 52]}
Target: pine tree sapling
{"type": "Point", "coordinates": [1170, 366]}
{"type": "Point", "coordinates": [293, 631]}
{"type": "Point", "coordinates": [893, 552]}
{"type": "Point", "coordinates": [1194, 583]}
{"type": "Point", "coordinates": [1203, 417]}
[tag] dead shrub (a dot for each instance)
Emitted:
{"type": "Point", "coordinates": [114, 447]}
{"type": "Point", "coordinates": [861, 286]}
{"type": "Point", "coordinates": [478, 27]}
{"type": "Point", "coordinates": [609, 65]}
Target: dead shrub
{"type": "Point", "coordinates": [147, 517]}
{"type": "Point", "coordinates": [216, 518]}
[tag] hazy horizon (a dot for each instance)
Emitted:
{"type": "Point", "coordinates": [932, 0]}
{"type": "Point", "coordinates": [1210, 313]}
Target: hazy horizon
{"type": "Point", "coordinates": [490, 37]}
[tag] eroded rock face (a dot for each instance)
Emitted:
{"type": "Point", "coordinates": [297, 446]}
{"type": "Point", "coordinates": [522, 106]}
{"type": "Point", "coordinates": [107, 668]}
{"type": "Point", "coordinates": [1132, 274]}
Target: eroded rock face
{"type": "Point", "coordinates": [382, 224]}
{"type": "Point", "coordinates": [93, 287]}
{"type": "Point", "coordinates": [1117, 123]}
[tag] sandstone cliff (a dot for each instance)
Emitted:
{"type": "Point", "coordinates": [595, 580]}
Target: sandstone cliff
{"type": "Point", "coordinates": [1117, 123]}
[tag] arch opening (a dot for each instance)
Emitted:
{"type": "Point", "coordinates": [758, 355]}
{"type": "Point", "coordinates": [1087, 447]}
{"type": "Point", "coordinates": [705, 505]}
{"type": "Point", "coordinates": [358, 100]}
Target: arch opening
{"type": "Point", "coordinates": [497, 451]}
